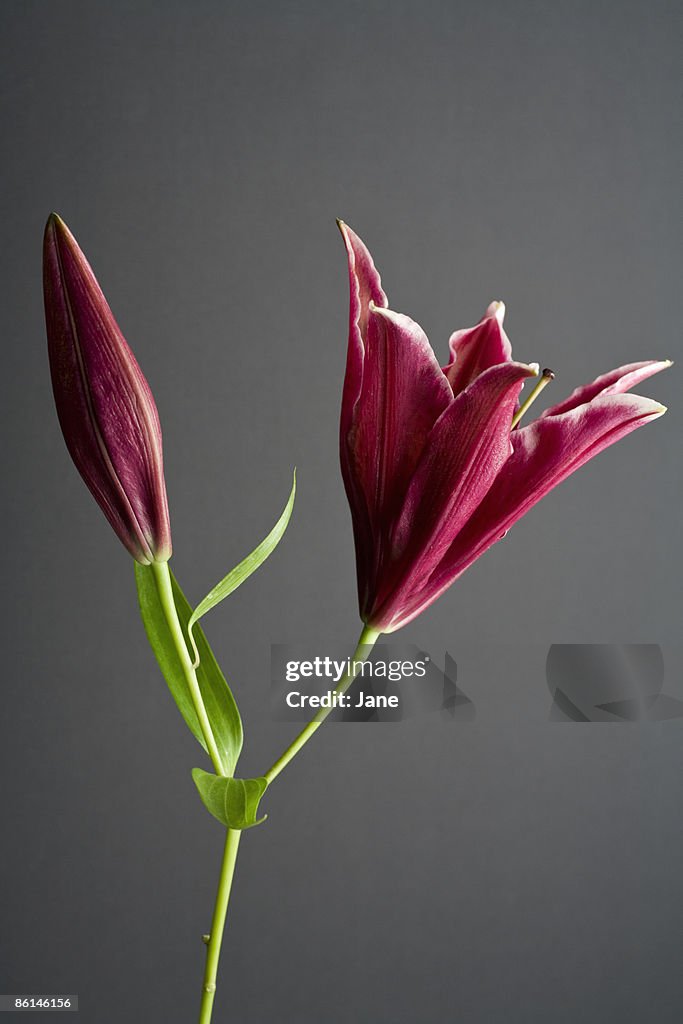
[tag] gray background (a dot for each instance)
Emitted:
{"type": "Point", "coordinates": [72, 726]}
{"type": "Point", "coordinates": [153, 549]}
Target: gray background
{"type": "Point", "coordinates": [511, 870]}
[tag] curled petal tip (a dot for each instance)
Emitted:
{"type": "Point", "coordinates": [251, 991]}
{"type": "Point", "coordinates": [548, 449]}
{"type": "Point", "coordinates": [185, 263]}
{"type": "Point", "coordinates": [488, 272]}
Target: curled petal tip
{"type": "Point", "coordinates": [344, 230]}
{"type": "Point", "coordinates": [534, 368]}
{"type": "Point", "coordinates": [497, 309]}
{"type": "Point", "coordinates": [618, 381]}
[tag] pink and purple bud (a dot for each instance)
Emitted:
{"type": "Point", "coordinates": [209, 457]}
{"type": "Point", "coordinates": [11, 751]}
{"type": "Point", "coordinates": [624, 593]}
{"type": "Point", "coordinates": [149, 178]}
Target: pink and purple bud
{"type": "Point", "coordinates": [105, 407]}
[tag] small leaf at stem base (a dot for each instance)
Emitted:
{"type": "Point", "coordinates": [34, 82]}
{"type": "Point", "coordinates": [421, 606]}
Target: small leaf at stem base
{"type": "Point", "coordinates": [233, 802]}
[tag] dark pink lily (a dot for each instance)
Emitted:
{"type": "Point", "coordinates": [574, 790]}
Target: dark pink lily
{"type": "Point", "coordinates": [435, 469]}
{"type": "Point", "coordinates": [105, 407]}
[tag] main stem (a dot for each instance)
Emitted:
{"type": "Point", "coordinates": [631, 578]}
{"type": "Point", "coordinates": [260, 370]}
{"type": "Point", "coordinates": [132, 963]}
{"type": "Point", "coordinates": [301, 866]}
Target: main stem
{"type": "Point", "coordinates": [162, 576]}
{"type": "Point", "coordinates": [213, 952]}
{"type": "Point", "coordinates": [366, 642]}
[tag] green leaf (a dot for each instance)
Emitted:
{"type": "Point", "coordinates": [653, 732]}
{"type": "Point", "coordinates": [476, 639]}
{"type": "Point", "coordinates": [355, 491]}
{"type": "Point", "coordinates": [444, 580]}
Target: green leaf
{"type": "Point", "coordinates": [220, 704]}
{"type": "Point", "coordinates": [234, 802]}
{"type": "Point", "coordinates": [241, 572]}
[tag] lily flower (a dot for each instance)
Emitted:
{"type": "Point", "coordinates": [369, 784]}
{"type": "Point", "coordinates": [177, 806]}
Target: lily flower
{"type": "Point", "coordinates": [434, 465]}
{"type": "Point", "coordinates": [105, 407]}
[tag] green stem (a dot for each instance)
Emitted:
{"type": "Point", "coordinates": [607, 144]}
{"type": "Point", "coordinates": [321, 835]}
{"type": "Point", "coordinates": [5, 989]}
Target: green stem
{"type": "Point", "coordinates": [367, 641]}
{"type": "Point", "coordinates": [162, 576]}
{"type": "Point", "coordinates": [213, 951]}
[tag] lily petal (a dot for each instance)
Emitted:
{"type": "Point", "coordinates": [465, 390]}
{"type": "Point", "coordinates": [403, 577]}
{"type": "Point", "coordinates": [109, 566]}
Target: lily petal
{"type": "Point", "coordinates": [545, 453]}
{"type": "Point", "coordinates": [403, 393]}
{"type": "Point", "coordinates": [477, 348]}
{"type": "Point", "coordinates": [465, 450]}
{"type": "Point", "coordinates": [613, 383]}
{"type": "Point", "coordinates": [365, 287]}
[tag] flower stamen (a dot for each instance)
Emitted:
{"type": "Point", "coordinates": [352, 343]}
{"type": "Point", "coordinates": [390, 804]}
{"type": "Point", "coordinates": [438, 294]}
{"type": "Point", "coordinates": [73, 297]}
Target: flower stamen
{"type": "Point", "coordinates": [546, 377]}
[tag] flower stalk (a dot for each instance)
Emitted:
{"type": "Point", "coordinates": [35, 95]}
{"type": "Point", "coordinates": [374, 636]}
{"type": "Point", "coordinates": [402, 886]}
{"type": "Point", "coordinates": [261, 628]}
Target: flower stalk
{"type": "Point", "coordinates": [367, 640]}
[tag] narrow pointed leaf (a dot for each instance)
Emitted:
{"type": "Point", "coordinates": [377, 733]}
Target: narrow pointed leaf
{"type": "Point", "coordinates": [233, 802]}
{"type": "Point", "coordinates": [218, 699]}
{"type": "Point", "coordinates": [241, 572]}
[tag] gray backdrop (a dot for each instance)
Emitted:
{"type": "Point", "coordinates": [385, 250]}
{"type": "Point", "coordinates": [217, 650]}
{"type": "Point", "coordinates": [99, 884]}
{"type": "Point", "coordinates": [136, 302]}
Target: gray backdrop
{"type": "Point", "coordinates": [510, 870]}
